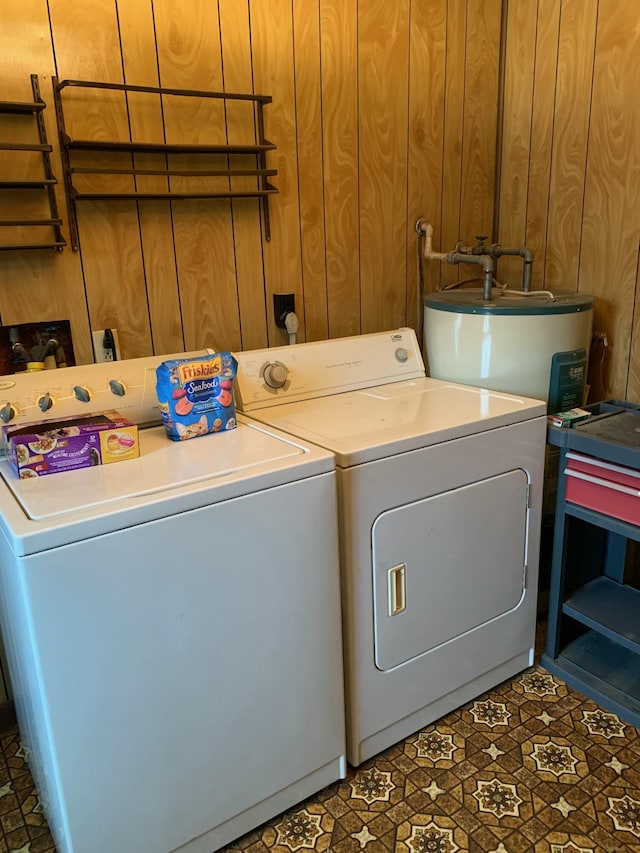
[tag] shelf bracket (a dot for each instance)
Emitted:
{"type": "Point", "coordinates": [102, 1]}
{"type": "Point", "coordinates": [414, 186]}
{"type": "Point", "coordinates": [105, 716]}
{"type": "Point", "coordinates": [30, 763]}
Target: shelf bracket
{"type": "Point", "coordinates": [66, 167]}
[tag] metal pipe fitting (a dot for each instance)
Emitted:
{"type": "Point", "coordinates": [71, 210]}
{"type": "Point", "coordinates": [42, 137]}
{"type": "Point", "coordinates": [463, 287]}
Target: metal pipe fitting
{"type": "Point", "coordinates": [485, 261]}
{"type": "Point", "coordinates": [498, 251]}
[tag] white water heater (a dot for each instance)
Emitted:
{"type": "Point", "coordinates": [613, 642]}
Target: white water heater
{"type": "Point", "coordinates": [506, 343]}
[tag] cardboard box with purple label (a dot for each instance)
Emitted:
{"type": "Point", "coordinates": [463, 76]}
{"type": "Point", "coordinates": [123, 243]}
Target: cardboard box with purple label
{"type": "Point", "coordinates": [50, 447]}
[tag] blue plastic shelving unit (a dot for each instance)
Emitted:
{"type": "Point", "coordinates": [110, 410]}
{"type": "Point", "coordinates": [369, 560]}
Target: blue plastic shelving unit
{"type": "Point", "coordinates": [593, 632]}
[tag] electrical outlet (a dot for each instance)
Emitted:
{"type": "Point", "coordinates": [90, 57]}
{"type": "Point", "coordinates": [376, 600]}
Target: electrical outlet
{"type": "Point", "coordinates": [283, 304]}
{"type": "Point", "coordinates": [106, 346]}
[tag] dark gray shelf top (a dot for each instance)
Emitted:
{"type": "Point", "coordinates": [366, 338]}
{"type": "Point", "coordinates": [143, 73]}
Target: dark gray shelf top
{"type": "Point", "coordinates": [610, 608]}
{"type": "Point", "coordinates": [612, 433]}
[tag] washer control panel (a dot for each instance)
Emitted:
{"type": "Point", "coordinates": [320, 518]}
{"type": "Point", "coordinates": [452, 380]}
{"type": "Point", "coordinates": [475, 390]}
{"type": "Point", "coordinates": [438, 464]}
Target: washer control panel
{"type": "Point", "coordinates": [129, 386]}
{"type": "Point", "coordinates": [287, 374]}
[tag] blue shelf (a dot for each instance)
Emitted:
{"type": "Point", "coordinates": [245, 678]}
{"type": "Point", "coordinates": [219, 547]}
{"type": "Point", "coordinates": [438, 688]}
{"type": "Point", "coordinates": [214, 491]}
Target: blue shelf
{"type": "Point", "coordinates": [616, 525]}
{"type": "Point", "coordinates": [604, 671]}
{"type": "Point", "coordinates": [611, 609]}
{"type": "Point", "coordinates": [587, 590]}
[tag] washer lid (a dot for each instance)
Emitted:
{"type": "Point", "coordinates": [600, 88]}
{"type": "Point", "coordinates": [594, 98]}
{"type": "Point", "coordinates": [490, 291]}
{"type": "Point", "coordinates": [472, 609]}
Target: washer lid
{"type": "Point", "coordinates": [361, 426]}
{"type": "Point", "coordinates": [168, 477]}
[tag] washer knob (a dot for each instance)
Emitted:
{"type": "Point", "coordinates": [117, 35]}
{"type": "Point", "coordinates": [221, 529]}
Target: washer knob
{"type": "Point", "coordinates": [7, 413]}
{"type": "Point", "coordinates": [45, 402]}
{"type": "Point", "coordinates": [275, 375]}
{"type": "Point", "coordinates": [117, 388]}
{"type": "Point", "coordinates": [81, 393]}
{"type": "Point", "coordinates": [402, 355]}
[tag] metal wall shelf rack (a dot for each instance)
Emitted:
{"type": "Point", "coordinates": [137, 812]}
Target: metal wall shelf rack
{"type": "Point", "coordinates": [47, 183]}
{"type": "Point", "coordinates": [257, 152]}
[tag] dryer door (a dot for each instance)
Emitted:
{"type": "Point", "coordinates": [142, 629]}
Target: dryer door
{"type": "Point", "coordinates": [445, 565]}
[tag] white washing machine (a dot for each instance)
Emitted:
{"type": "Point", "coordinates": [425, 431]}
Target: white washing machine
{"type": "Point", "coordinates": [439, 493]}
{"type": "Point", "coordinates": [172, 625]}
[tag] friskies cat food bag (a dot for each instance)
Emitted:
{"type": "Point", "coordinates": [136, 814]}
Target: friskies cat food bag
{"type": "Point", "coordinates": [196, 394]}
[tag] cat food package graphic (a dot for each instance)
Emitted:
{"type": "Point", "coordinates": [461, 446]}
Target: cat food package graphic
{"type": "Point", "coordinates": [196, 395]}
{"type": "Point", "coordinates": [50, 447]}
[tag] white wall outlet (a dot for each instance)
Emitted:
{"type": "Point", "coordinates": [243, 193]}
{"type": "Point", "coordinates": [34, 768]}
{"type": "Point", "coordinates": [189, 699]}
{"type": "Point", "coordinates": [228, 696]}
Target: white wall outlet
{"type": "Point", "coordinates": [106, 346]}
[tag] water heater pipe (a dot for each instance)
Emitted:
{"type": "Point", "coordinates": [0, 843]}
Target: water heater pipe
{"type": "Point", "coordinates": [457, 257]}
{"type": "Point", "coordinates": [497, 251]}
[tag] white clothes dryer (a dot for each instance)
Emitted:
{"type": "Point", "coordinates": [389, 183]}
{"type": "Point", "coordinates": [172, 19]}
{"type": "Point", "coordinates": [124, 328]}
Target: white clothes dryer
{"type": "Point", "coordinates": [172, 625]}
{"type": "Point", "coordinates": [439, 494]}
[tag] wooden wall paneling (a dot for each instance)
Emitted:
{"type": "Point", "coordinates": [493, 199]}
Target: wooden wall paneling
{"type": "Point", "coordinates": [543, 108]}
{"type": "Point", "coordinates": [480, 120]}
{"type": "Point", "coordinates": [236, 53]}
{"type": "Point", "coordinates": [273, 66]}
{"type": "Point", "coordinates": [137, 37]}
{"type": "Point", "coordinates": [383, 85]}
{"type": "Point", "coordinates": [427, 58]}
{"type": "Point", "coordinates": [450, 231]}
{"type": "Point", "coordinates": [38, 285]}
{"type": "Point", "coordinates": [189, 53]}
{"type": "Point", "coordinates": [306, 39]}
{"type": "Point", "coordinates": [517, 117]}
{"type": "Point", "coordinates": [339, 68]}
{"type": "Point", "coordinates": [571, 126]}
{"type": "Point", "coordinates": [633, 381]}
{"type": "Point", "coordinates": [611, 229]}
{"type": "Point", "coordinates": [87, 47]}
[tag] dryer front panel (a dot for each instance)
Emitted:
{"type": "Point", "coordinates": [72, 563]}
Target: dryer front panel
{"type": "Point", "coordinates": [447, 564]}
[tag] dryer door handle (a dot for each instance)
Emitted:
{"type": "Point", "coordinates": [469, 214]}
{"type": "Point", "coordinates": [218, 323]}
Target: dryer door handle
{"type": "Point", "coordinates": [397, 589]}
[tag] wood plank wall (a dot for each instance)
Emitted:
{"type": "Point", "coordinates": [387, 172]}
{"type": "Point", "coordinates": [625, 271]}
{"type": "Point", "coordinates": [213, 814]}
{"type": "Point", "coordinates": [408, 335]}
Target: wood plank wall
{"type": "Point", "coordinates": [382, 112]}
{"type": "Point", "coordinates": [570, 170]}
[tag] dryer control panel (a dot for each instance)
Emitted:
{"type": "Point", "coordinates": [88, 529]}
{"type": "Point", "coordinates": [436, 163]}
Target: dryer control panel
{"type": "Point", "coordinates": [269, 377]}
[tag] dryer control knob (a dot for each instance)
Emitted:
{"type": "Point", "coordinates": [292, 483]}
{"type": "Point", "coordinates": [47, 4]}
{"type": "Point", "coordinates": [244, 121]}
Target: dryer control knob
{"type": "Point", "coordinates": [117, 388]}
{"type": "Point", "coordinates": [81, 393]}
{"type": "Point", "coordinates": [275, 375]}
{"type": "Point", "coordinates": [45, 402]}
{"type": "Point", "coordinates": [7, 413]}
{"type": "Point", "coordinates": [402, 355]}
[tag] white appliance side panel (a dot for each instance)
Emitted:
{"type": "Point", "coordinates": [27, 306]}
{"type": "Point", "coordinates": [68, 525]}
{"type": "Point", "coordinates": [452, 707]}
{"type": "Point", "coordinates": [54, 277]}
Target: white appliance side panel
{"type": "Point", "coordinates": [377, 700]}
{"type": "Point", "coordinates": [21, 672]}
{"type": "Point", "coordinates": [447, 564]}
{"type": "Point", "coordinates": [182, 670]}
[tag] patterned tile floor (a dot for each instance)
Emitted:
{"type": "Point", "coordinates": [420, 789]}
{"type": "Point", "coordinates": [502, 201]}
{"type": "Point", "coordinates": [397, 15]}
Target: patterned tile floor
{"type": "Point", "coordinates": [530, 767]}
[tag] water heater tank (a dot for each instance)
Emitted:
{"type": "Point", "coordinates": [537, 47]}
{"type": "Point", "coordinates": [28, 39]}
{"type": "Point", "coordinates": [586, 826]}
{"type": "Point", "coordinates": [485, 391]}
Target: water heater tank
{"type": "Point", "coordinates": [506, 343]}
